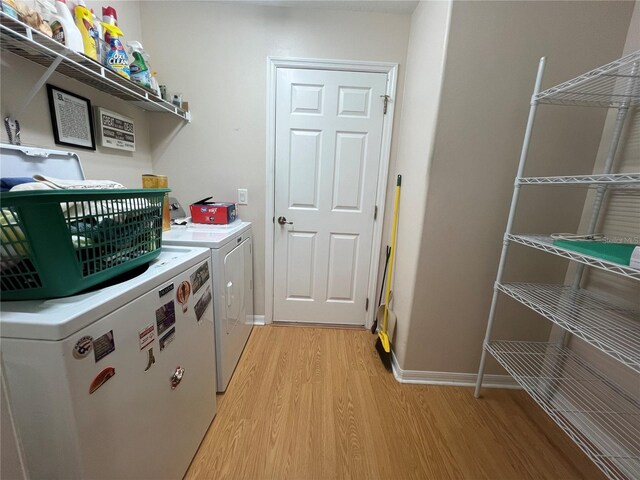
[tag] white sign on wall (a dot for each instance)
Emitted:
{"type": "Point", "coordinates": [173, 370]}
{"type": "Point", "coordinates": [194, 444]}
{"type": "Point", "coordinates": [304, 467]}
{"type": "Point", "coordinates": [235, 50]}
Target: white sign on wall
{"type": "Point", "coordinates": [115, 130]}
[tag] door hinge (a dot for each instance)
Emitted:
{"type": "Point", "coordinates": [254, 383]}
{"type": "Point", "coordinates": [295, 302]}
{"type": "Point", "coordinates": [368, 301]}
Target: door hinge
{"type": "Point", "coordinates": [375, 212]}
{"type": "Point", "coordinates": [366, 305]}
{"type": "Point", "coordinates": [386, 102]}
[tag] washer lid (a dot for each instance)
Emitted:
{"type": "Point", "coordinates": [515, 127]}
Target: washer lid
{"type": "Point", "coordinates": [56, 319]}
{"type": "Point", "coordinates": [24, 161]}
{"type": "Point", "coordinates": [210, 236]}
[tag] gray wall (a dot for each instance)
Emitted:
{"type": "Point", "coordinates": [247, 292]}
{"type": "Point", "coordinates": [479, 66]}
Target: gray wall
{"type": "Point", "coordinates": [416, 135]}
{"type": "Point", "coordinates": [492, 55]}
{"type": "Point", "coordinates": [219, 63]}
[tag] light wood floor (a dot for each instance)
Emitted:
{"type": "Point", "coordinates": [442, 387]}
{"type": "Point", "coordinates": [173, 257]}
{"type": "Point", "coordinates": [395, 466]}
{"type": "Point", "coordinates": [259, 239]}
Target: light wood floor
{"type": "Point", "coordinates": [311, 403]}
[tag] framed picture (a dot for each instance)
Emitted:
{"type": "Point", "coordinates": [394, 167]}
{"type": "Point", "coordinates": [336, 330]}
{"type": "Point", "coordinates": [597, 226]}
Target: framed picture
{"type": "Point", "coordinates": [71, 119]}
{"type": "Point", "coordinates": [115, 130]}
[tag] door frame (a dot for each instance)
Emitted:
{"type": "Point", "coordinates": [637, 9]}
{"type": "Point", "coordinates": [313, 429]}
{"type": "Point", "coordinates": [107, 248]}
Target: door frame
{"type": "Point", "coordinates": [273, 64]}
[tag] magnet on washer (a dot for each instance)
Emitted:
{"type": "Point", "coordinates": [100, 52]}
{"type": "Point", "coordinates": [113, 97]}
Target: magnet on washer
{"type": "Point", "coordinates": [101, 379]}
{"type": "Point", "coordinates": [83, 347]}
{"type": "Point", "coordinates": [150, 359]}
{"type": "Point", "coordinates": [182, 295]}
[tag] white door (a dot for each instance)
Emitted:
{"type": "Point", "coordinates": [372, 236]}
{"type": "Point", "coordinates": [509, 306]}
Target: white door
{"type": "Point", "coordinates": [328, 141]}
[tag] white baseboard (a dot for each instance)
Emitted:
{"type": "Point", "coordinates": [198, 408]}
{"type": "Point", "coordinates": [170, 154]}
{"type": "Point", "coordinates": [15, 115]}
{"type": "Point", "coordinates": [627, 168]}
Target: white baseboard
{"type": "Point", "coordinates": [450, 378]}
{"type": "Point", "coordinates": [258, 320]}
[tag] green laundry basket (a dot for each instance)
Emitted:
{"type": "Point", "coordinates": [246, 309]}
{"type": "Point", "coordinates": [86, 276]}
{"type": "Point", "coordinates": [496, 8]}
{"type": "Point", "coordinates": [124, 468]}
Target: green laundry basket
{"type": "Point", "coordinates": [58, 243]}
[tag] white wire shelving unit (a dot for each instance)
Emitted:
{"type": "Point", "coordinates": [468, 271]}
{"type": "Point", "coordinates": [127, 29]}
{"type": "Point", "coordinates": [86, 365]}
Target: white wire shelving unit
{"type": "Point", "coordinates": [610, 325]}
{"type": "Point", "coordinates": [20, 39]}
{"type": "Point", "coordinates": [598, 416]}
{"type": "Point", "coordinates": [612, 85]}
{"type": "Point", "coordinates": [601, 417]}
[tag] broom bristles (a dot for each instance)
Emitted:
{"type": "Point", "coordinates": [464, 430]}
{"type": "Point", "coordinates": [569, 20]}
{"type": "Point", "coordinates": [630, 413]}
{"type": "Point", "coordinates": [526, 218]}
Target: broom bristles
{"type": "Point", "coordinates": [385, 356]}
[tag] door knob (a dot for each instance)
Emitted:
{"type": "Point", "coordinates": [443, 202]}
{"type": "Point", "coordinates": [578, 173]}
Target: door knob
{"type": "Point", "coordinates": [283, 221]}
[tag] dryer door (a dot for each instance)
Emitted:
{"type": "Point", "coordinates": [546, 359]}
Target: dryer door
{"type": "Point", "coordinates": [234, 287]}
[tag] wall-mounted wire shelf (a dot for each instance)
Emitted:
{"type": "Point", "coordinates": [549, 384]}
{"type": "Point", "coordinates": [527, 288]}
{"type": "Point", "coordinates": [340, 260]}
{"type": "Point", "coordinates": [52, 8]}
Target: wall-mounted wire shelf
{"type": "Point", "coordinates": [613, 180]}
{"type": "Point", "coordinates": [545, 243]}
{"type": "Point", "coordinates": [22, 40]}
{"type": "Point", "coordinates": [600, 417]}
{"type": "Point", "coordinates": [616, 84]}
{"type": "Point", "coordinates": [606, 323]}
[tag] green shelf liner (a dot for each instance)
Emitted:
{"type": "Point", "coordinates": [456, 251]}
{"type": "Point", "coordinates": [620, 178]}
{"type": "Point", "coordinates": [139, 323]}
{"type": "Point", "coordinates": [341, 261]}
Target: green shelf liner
{"type": "Point", "coordinates": [613, 252]}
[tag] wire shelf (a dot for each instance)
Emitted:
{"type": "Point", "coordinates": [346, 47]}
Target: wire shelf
{"type": "Point", "coordinates": [545, 243]}
{"type": "Point", "coordinates": [606, 323]}
{"type": "Point", "coordinates": [616, 84]}
{"type": "Point", "coordinates": [617, 180]}
{"type": "Point", "coordinates": [600, 417]}
{"type": "Point", "coordinates": [22, 40]}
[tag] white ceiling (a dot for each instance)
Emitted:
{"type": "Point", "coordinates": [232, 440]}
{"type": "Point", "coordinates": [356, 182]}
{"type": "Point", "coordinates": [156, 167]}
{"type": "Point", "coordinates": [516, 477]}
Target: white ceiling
{"type": "Point", "coordinates": [405, 7]}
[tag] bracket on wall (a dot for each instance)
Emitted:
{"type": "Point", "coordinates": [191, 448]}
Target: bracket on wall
{"type": "Point", "coordinates": [11, 122]}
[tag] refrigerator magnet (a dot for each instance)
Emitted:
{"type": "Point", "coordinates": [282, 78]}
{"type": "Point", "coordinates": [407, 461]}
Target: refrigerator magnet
{"type": "Point", "coordinates": [146, 335]}
{"type": "Point", "coordinates": [83, 347]}
{"type": "Point", "coordinates": [163, 291]}
{"type": "Point", "coordinates": [168, 338]}
{"type": "Point", "coordinates": [150, 359]}
{"type": "Point", "coordinates": [182, 295]}
{"type": "Point", "coordinates": [165, 317]}
{"type": "Point", "coordinates": [104, 345]}
{"type": "Point", "coordinates": [101, 379]}
{"type": "Point", "coordinates": [199, 277]}
{"type": "Point", "coordinates": [202, 304]}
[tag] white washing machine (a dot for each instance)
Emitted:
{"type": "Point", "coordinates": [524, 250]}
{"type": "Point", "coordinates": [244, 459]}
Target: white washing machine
{"type": "Point", "coordinates": [231, 249]}
{"type": "Point", "coordinates": [117, 382]}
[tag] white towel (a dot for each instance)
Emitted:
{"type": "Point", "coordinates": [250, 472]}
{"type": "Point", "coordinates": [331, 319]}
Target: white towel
{"type": "Point", "coordinates": [101, 209]}
{"type": "Point", "coordinates": [50, 183]}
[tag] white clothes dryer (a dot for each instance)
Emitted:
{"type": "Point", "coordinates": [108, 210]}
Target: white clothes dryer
{"type": "Point", "coordinates": [231, 282]}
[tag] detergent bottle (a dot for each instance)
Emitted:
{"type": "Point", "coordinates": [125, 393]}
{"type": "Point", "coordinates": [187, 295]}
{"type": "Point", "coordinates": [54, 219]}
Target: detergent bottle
{"type": "Point", "coordinates": [90, 39]}
{"type": "Point", "coordinates": [116, 58]}
{"type": "Point", "coordinates": [64, 29]}
{"type": "Point", "coordinates": [154, 83]}
{"type": "Point", "coordinates": [139, 70]}
{"type": "Point", "coordinates": [109, 17]}
{"type": "Point", "coordinates": [101, 45]}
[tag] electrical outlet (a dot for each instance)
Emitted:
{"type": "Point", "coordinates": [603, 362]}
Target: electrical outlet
{"type": "Point", "coordinates": [243, 196]}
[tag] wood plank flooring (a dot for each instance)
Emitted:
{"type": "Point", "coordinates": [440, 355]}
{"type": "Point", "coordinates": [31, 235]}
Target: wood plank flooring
{"type": "Point", "coordinates": [316, 403]}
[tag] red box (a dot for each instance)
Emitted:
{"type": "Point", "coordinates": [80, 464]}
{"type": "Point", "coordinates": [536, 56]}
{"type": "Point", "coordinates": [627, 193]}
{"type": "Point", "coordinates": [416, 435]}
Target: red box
{"type": "Point", "coordinates": [213, 212]}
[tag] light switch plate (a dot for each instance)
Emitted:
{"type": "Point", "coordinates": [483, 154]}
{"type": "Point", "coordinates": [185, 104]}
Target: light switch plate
{"type": "Point", "coordinates": [243, 196]}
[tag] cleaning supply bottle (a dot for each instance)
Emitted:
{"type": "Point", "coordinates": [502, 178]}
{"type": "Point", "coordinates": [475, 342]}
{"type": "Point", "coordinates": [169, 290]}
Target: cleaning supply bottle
{"type": "Point", "coordinates": [154, 83]}
{"type": "Point", "coordinates": [109, 17]}
{"type": "Point", "coordinates": [101, 45]}
{"type": "Point", "coordinates": [139, 70]}
{"type": "Point", "coordinates": [64, 28]}
{"type": "Point", "coordinates": [10, 8]}
{"type": "Point", "coordinates": [84, 22]}
{"type": "Point", "coordinates": [117, 58]}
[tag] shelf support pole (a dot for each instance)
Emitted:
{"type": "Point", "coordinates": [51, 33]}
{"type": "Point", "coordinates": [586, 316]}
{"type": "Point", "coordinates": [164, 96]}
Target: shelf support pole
{"type": "Point", "coordinates": [601, 191]}
{"type": "Point", "coordinates": [512, 213]}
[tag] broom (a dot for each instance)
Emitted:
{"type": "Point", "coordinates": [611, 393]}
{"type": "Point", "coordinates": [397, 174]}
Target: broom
{"type": "Point", "coordinates": [383, 345]}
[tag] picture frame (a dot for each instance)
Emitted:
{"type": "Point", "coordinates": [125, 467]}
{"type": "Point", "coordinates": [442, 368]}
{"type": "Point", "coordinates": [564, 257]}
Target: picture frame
{"type": "Point", "coordinates": [114, 130]}
{"type": "Point", "coordinates": [71, 118]}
